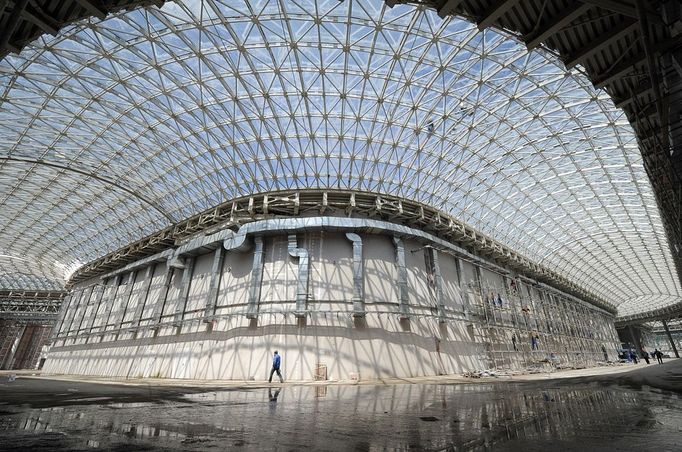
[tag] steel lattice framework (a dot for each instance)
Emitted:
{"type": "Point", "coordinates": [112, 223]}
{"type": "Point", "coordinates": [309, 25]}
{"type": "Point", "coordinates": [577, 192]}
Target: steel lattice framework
{"type": "Point", "coordinates": [30, 306]}
{"type": "Point", "coordinates": [117, 128]}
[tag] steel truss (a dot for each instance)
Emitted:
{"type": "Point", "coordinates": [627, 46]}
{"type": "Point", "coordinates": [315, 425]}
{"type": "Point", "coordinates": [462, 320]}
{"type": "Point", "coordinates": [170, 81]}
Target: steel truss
{"type": "Point", "coordinates": [38, 307]}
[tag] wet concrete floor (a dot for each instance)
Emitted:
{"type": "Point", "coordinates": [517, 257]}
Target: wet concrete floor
{"type": "Point", "coordinates": [580, 414]}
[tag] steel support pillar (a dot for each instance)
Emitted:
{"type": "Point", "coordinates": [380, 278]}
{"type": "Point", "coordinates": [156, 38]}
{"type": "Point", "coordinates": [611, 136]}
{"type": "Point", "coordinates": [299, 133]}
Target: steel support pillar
{"type": "Point", "coordinates": [8, 362]}
{"type": "Point", "coordinates": [635, 340]}
{"type": "Point", "coordinates": [403, 294]}
{"type": "Point", "coordinates": [183, 295]}
{"type": "Point", "coordinates": [127, 295]}
{"type": "Point", "coordinates": [66, 306]}
{"type": "Point", "coordinates": [157, 314]}
{"type": "Point", "coordinates": [463, 288]}
{"type": "Point", "coordinates": [72, 312]}
{"type": "Point", "coordinates": [10, 332]}
{"type": "Point", "coordinates": [303, 272]}
{"type": "Point", "coordinates": [670, 338]}
{"type": "Point", "coordinates": [142, 302]}
{"type": "Point", "coordinates": [109, 305]}
{"type": "Point", "coordinates": [437, 283]}
{"type": "Point", "coordinates": [214, 285]}
{"type": "Point", "coordinates": [358, 275]}
{"type": "Point", "coordinates": [93, 315]}
{"type": "Point", "coordinates": [256, 279]}
{"type": "Point", "coordinates": [85, 309]}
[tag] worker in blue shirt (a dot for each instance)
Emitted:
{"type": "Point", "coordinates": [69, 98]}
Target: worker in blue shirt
{"type": "Point", "coordinates": [276, 361]}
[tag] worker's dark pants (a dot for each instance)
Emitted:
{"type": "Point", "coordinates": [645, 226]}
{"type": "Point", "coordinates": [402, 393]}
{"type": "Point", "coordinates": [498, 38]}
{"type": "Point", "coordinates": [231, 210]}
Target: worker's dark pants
{"type": "Point", "coordinates": [279, 374]}
{"type": "Point", "coordinates": [646, 359]}
{"type": "Point", "coordinates": [660, 360]}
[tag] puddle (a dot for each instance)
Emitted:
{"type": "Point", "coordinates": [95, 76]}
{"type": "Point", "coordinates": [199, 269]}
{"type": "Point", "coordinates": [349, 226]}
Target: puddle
{"type": "Point", "coordinates": [398, 417]}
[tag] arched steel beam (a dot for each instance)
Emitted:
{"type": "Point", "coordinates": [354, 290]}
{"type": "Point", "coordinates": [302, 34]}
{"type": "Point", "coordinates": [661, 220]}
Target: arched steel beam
{"type": "Point", "coordinates": [92, 175]}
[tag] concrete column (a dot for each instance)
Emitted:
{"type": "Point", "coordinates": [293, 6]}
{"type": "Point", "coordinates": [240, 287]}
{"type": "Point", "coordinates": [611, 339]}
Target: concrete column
{"type": "Point", "coordinates": [163, 296]}
{"type": "Point", "coordinates": [303, 273]}
{"type": "Point", "coordinates": [139, 310]}
{"type": "Point", "coordinates": [214, 284]}
{"type": "Point", "coordinates": [256, 279]}
{"type": "Point", "coordinates": [438, 283]}
{"type": "Point", "coordinates": [181, 305]}
{"type": "Point", "coordinates": [403, 293]}
{"type": "Point", "coordinates": [358, 275]}
{"type": "Point", "coordinates": [670, 338]}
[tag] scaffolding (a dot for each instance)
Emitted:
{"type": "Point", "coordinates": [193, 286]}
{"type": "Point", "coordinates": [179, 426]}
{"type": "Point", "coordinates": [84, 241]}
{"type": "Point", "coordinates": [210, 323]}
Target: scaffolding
{"type": "Point", "coordinates": [526, 325]}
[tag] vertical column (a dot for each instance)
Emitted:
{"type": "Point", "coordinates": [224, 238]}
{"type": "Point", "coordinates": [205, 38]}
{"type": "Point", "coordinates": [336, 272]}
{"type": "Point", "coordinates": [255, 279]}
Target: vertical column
{"type": "Point", "coordinates": [72, 313]}
{"type": "Point", "coordinates": [670, 338]}
{"type": "Point", "coordinates": [65, 306]}
{"type": "Point", "coordinates": [483, 295]}
{"type": "Point", "coordinates": [358, 275]}
{"type": "Point", "coordinates": [303, 270]}
{"type": "Point", "coordinates": [463, 287]}
{"type": "Point", "coordinates": [403, 293]}
{"type": "Point", "coordinates": [120, 317]}
{"type": "Point", "coordinates": [139, 310]}
{"type": "Point", "coordinates": [86, 303]}
{"type": "Point", "coordinates": [163, 296]}
{"type": "Point", "coordinates": [101, 288]}
{"type": "Point", "coordinates": [437, 283]}
{"type": "Point", "coordinates": [9, 333]}
{"type": "Point", "coordinates": [181, 305]}
{"type": "Point", "coordinates": [256, 279]}
{"type": "Point", "coordinates": [109, 306]}
{"type": "Point", "coordinates": [13, 345]}
{"type": "Point", "coordinates": [39, 341]}
{"type": "Point", "coordinates": [23, 348]}
{"type": "Point", "coordinates": [214, 284]}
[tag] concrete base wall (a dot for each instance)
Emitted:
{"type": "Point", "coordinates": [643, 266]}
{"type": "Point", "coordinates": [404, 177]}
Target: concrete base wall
{"type": "Point", "coordinates": [408, 310]}
{"type": "Point", "coordinates": [377, 348]}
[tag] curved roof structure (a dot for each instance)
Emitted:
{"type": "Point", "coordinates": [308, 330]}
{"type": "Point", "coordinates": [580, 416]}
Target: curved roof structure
{"type": "Point", "coordinates": [116, 128]}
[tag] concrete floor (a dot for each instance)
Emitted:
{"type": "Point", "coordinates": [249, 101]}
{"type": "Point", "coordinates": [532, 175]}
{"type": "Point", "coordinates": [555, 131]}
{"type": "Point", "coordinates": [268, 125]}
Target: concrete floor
{"type": "Point", "coordinates": [596, 409]}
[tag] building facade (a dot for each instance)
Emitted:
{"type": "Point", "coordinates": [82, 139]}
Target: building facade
{"type": "Point", "coordinates": [341, 295]}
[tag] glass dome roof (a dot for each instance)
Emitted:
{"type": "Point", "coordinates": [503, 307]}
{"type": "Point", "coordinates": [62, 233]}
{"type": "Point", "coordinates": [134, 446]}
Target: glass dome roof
{"type": "Point", "coordinates": [116, 128]}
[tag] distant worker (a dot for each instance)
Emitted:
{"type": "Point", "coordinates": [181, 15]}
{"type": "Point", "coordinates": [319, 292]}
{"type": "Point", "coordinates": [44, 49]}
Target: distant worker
{"type": "Point", "coordinates": [534, 341]}
{"type": "Point", "coordinates": [276, 361]}
{"type": "Point", "coordinates": [606, 355]}
{"type": "Point", "coordinates": [659, 355]}
{"type": "Point", "coordinates": [633, 355]}
{"type": "Point", "coordinates": [645, 356]}
{"type": "Point", "coordinates": [514, 342]}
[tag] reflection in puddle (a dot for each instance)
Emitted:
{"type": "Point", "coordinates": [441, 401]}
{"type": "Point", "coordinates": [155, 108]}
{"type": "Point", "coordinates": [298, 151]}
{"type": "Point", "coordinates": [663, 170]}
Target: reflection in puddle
{"type": "Point", "coordinates": [464, 417]}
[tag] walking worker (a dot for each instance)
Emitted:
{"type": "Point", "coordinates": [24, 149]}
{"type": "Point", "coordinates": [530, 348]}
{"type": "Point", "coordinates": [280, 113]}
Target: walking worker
{"type": "Point", "coordinates": [276, 361]}
{"type": "Point", "coordinates": [658, 355]}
